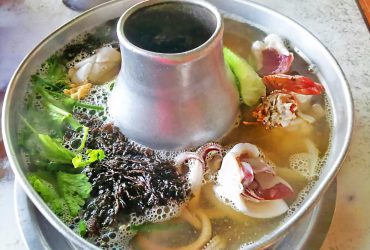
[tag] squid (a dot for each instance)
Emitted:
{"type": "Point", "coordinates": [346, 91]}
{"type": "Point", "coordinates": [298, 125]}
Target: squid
{"type": "Point", "coordinates": [250, 184]}
{"type": "Point", "coordinates": [99, 68]}
{"type": "Point", "coordinates": [272, 56]}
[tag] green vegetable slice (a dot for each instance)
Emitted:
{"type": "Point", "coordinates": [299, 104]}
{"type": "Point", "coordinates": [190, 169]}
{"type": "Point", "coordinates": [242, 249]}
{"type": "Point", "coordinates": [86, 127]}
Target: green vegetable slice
{"type": "Point", "coordinates": [250, 85]}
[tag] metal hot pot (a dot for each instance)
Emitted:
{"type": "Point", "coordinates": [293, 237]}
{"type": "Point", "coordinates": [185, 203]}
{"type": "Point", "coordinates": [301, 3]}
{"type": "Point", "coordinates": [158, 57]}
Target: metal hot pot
{"type": "Point", "coordinates": [328, 72]}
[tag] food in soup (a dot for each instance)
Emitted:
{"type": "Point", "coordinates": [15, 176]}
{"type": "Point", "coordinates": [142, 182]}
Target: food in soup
{"type": "Point", "coordinates": [222, 195]}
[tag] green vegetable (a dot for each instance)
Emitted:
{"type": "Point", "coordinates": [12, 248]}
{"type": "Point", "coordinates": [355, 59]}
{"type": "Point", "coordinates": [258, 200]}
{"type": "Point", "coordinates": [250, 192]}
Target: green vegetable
{"type": "Point", "coordinates": [250, 85]}
{"type": "Point", "coordinates": [64, 193]}
{"type": "Point", "coordinates": [61, 100]}
{"type": "Point", "coordinates": [82, 228]}
{"type": "Point", "coordinates": [93, 156]}
{"type": "Point", "coordinates": [85, 131]}
{"type": "Point", "coordinates": [54, 151]}
{"type": "Point", "coordinates": [51, 149]}
{"type": "Point", "coordinates": [61, 116]}
{"type": "Point", "coordinates": [45, 184]}
{"type": "Point", "coordinates": [56, 77]}
{"type": "Point", "coordinates": [74, 189]}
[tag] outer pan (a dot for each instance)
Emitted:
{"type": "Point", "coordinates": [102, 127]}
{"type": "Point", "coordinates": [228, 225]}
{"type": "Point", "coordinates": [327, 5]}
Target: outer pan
{"type": "Point", "coordinates": [266, 19]}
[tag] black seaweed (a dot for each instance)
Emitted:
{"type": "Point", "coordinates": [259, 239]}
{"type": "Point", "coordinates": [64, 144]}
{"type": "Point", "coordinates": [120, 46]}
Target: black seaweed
{"type": "Point", "coordinates": [129, 180]}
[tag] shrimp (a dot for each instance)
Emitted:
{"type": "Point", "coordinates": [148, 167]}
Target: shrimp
{"type": "Point", "coordinates": [297, 84]}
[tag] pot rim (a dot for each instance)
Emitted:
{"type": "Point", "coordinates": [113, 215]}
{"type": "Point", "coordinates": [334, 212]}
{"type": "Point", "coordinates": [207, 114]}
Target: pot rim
{"type": "Point", "coordinates": [181, 57]}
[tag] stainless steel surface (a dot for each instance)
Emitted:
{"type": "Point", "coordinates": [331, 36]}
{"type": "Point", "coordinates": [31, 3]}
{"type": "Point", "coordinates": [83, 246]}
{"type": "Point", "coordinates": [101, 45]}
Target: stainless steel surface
{"type": "Point", "coordinates": [174, 100]}
{"type": "Point", "coordinates": [82, 5]}
{"type": "Point", "coordinates": [268, 20]}
{"type": "Point", "coordinates": [39, 234]}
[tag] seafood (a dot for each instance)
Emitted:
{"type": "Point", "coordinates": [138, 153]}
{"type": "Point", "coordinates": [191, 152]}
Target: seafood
{"type": "Point", "coordinates": [250, 183]}
{"type": "Point", "coordinates": [272, 56]}
{"type": "Point", "coordinates": [99, 68]}
{"type": "Point", "coordinates": [296, 83]}
{"type": "Point", "coordinates": [277, 109]}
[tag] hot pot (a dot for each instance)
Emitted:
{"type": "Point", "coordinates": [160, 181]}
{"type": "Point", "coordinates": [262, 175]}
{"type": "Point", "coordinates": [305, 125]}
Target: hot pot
{"type": "Point", "coordinates": [328, 72]}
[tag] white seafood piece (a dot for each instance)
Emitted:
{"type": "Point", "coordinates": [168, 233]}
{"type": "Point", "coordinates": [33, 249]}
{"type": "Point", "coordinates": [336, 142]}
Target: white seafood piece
{"type": "Point", "coordinates": [99, 68]}
{"type": "Point", "coordinates": [196, 169]}
{"type": "Point", "coordinates": [195, 176]}
{"type": "Point", "coordinates": [259, 210]}
{"type": "Point", "coordinates": [237, 186]}
{"type": "Point", "coordinates": [272, 57]}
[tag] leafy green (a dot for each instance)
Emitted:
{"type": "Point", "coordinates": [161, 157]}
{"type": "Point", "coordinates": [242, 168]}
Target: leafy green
{"type": "Point", "coordinates": [50, 149]}
{"type": "Point", "coordinates": [85, 131]}
{"type": "Point", "coordinates": [74, 189]}
{"type": "Point", "coordinates": [56, 77]}
{"type": "Point", "coordinates": [61, 116]}
{"type": "Point", "coordinates": [82, 228]}
{"type": "Point", "coordinates": [93, 155]}
{"type": "Point", "coordinates": [61, 100]}
{"type": "Point", "coordinates": [45, 184]}
{"type": "Point", "coordinates": [64, 193]}
{"type": "Point", "coordinates": [250, 85]}
{"type": "Point", "coordinates": [54, 151]}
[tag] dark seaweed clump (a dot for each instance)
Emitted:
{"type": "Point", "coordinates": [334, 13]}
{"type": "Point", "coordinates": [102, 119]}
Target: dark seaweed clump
{"type": "Point", "coordinates": [129, 180]}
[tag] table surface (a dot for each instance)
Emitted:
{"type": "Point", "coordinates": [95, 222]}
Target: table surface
{"type": "Point", "coordinates": [339, 26]}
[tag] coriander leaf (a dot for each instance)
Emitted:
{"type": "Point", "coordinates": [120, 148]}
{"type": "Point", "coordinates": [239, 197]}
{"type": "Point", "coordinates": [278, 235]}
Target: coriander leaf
{"type": "Point", "coordinates": [44, 184]}
{"type": "Point", "coordinates": [54, 151]}
{"type": "Point", "coordinates": [64, 193]}
{"type": "Point", "coordinates": [74, 189]}
{"type": "Point", "coordinates": [61, 116]}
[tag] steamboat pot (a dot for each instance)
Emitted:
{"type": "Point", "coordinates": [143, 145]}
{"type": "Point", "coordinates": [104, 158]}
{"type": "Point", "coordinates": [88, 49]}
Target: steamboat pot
{"type": "Point", "coordinates": [328, 72]}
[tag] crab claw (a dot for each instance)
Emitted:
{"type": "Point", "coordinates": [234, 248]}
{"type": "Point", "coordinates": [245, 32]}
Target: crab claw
{"type": "Point", "coordinates": [297, 84]}
{"type": "Point", "coordinates": [272, 56]}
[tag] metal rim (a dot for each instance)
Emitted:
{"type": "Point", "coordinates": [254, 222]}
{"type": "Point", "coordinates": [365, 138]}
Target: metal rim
{"type": "Point", "coordinates": [306, 206]}
{"type": "Point", "coordinates": [177, 57]}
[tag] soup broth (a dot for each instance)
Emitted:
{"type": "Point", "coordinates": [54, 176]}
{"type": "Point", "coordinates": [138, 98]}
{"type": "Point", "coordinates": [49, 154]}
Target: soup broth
{"type": "Point", "coordinates": [169, 226]}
